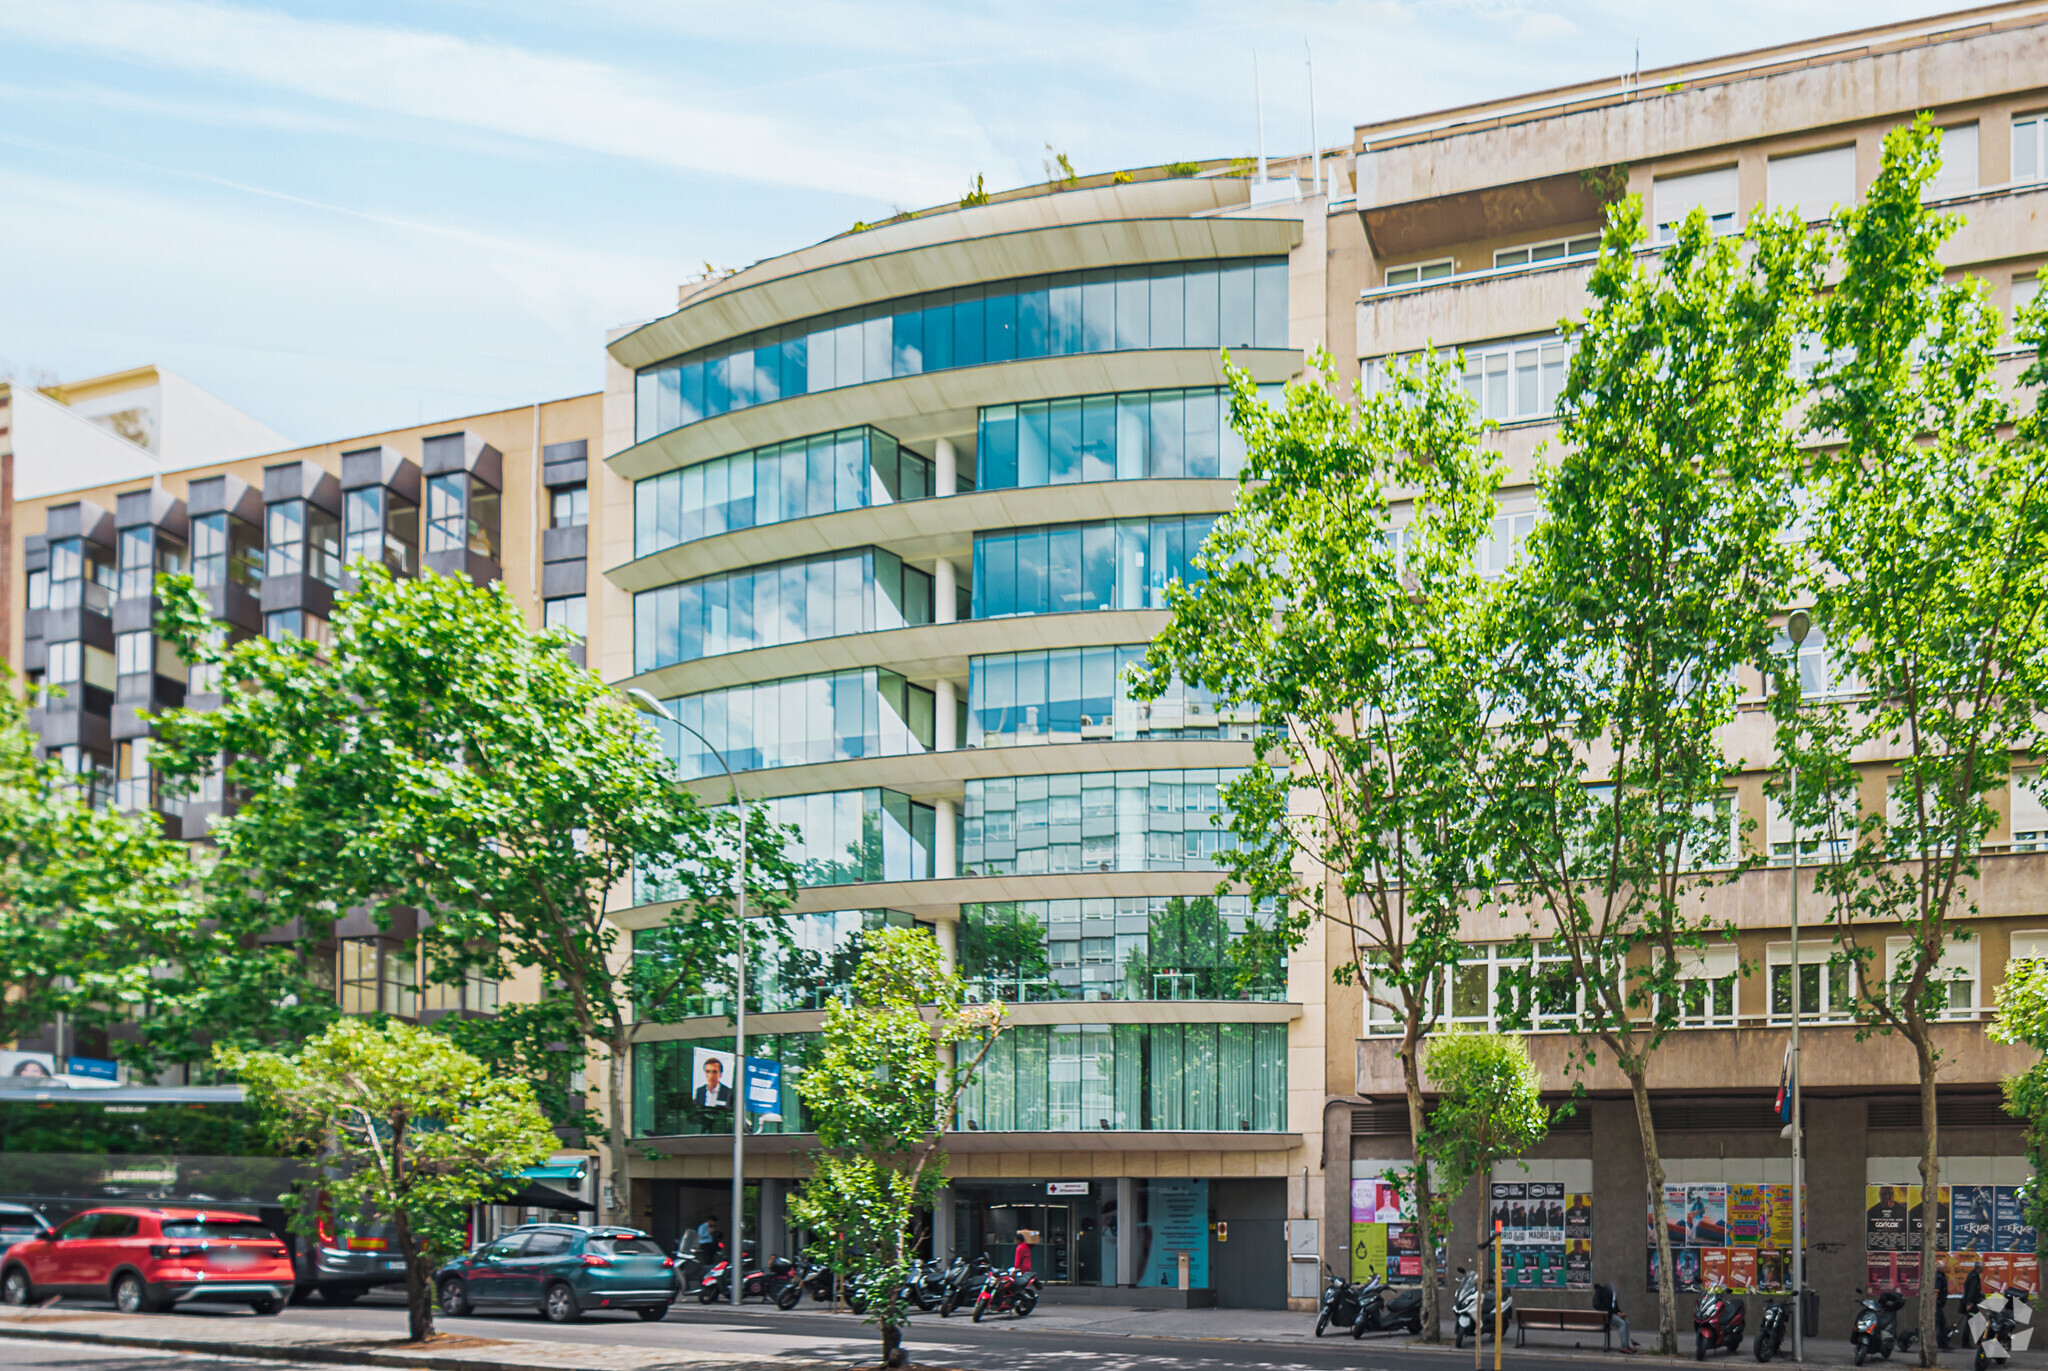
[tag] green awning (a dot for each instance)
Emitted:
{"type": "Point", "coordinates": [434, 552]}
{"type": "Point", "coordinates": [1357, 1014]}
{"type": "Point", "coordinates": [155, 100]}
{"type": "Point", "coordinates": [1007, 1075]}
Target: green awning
{"type": "Point", "coordinates": [553, 1171]}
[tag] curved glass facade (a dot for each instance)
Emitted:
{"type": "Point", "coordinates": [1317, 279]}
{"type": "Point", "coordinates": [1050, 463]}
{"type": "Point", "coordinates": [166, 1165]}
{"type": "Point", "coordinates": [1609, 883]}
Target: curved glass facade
{"type": "Point", "coordinates": [844, 837]}
{"type": "Point", "coordinates": [854, 468]}
{"type": "Point", "coordinates": [789, 602]}
{"type": "Point", "coordinates": [1066, 568]}
{"type": "Point", "coordinates": [1067, 1078]}
{"type": "Point", "coordinates": [1155, 947]}
{"type": "Point", "coordinates": [1131, 436]}
{"type": "Point", "coordinates": [798, 721]}
{"type": "Point", "coordinates": [1081, 694]}
{"type": "Point", "coordinates": [1095, 821]}
{"type": "Point", "coordinates": [816, 971]}
{"type": "Point", "coordinates": [1240, 302]}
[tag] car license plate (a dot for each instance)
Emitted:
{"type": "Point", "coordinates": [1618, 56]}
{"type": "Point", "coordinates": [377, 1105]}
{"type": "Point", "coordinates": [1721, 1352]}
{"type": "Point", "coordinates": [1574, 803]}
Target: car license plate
{"type": "Point", "coordinates": [394, 1264]}
{"type": "Point", "coordinates": [233, 1258]}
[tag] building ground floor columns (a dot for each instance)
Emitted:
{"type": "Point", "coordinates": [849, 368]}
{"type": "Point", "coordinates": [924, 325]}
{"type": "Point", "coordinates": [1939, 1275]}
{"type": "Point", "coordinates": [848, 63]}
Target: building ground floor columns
{"type": "Point", "coordinates": [1171, 1226]}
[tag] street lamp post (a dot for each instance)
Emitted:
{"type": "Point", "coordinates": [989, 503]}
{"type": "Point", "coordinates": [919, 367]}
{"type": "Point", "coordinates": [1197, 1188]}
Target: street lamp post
{"type": "Point", "coordinates": [1796, 629]}
{"type": "Point", "coordinates": [736, 1252]}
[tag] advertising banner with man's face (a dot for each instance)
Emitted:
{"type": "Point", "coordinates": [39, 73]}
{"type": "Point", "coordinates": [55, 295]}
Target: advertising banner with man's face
{"type": "Point", "coordinates": [711, 1079]}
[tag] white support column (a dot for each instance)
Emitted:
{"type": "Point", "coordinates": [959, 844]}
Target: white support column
{"type": "Point", "coordinates": [1126, 1231]}
{"type": "Point", "coordinates": [942, 1224]}
{"type": "Point", "coordinates": [945, 837]}
{"type": "Point", "coordinates": [774, 1219]}
{"type": "Point", "coordinates": [946, 727]}
{"type": "Point", "coordinates": [945, 599]}
{"type": "Point", "coordinates": [946, 461]}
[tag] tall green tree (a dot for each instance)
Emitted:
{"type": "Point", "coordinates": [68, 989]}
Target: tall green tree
{"type": "Point", "coordinates": [1354, 632]}
{"type": "Point", "coordinates": [406, 1125]}
{"type": "Point", "coordinates": [1927, 535]}
{"type": "Point", "coordinates": [439, 756]}
{"type": "Point", "coordinates": [92, 901]}
{"type": "Point", "coordinates": [885, 1081]}
{"type": "Point", "coordinates": [1489, 1109]}
{"type": "Point", "coordinates": [2023, 1021]}
{"type": "Point", "coordinates": [1649, 579]}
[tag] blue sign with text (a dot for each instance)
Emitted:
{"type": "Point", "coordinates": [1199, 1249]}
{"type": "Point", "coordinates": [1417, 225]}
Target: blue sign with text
{"type": "Point", "coordinates": [764, 1086]}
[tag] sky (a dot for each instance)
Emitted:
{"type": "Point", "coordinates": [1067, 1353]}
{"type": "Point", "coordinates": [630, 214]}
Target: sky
{"type": "Point", "coordinates": [349, 216]}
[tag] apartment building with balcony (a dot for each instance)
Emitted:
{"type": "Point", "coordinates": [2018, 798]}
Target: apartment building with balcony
{"type": "Point", "coordinates": [499, 497]}
{"type": "Point", "coordinates": [1474, 229]}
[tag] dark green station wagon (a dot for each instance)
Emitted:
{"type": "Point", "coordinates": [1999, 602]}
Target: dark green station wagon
{"type": "Point", "coordinates": [562, 1271]}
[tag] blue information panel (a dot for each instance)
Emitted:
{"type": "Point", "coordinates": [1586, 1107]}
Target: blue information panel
{"type": "Point", "coordinates": [1179, 1220]}
{"type": "Point", "coordinates": [764, 1086]}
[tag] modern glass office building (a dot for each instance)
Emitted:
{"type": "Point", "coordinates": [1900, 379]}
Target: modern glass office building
{"type": "Point", "coordinates": [905, 509]}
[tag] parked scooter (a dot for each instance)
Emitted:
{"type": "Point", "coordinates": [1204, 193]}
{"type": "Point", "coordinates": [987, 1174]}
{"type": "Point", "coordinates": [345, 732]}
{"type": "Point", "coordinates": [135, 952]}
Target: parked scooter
{"type": "Point", "coordinates": [1376, 1314]}
{"type": "Point", "coordinates": [1876, 1331]}
{"type": "Point", "coordinates": [1773, 1329]}
{"type": "Point", "coordinates": [963, 1279]}
{"type": "Point", "coordinates": [1472, 1307]}
{"type": "Point", "coordinates": [2000, 1327]}
{"type": "Point", "coordinates": [756, 1283]}
{"type": "Point", "coordinates": [1011, 1289]}
{"type": "Point", "coordinates": [1717, 1322]}
{"type": "Point", "coordinates": [1339, 1304]}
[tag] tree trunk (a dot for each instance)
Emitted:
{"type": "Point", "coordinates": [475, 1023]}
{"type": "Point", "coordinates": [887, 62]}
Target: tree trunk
{"type": "Point", "coordinates": [1930, 1198]}
{"type": "Point", "coordinates": [892, 1346]}
{"type": "Point", "coordinates": [617, 1145]}
{"type": "Point", "coordinates": [1411, 1073]}
{"type": "Point", "coordinates": [1653, 1165]}
{"type": "Point", "coordinates": [419, 1284]}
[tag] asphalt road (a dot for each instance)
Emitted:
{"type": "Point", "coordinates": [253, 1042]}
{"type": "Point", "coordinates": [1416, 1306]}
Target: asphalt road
{"type": "Point", "coordinates": [66, 1356]}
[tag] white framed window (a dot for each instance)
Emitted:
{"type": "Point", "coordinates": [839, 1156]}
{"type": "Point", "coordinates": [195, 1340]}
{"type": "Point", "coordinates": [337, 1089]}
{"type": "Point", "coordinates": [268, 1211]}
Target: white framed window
{"type": "Point", "coordinates": [1713, 844]}
{"type": "Point", "coordinates": [2030, 146]}
{"type": "Point", "coordinates": [1821, 676]}
{"type": "Point", "coordinates": [1674, 197]}
{"type": "Point", "coordinates": [1520, 379]}
{"type": "Point", "coordinates": [1818, 845]}
{"type": "Point", "coordinates": [1823, 982]}
{"type": "Point", "coordinates": [1960, 968]}
{"type": "Point", "coordinates": [1709, 986]}
{"type": "Point", "coordinates": [1499, 549]}
{"type": "Point", "coordinates": [1555, 250]}
{"type": "Point", "coordinates": [1958, 172]}
{"type": "Point", "coordinates": [2029, 811]}
{"type": "Point", "coordinates": [1473, 990]}
{"type": "Point", "coordinates": [1898, 809]}
{"type": "Point", "coordinates": [1415, 273]}
{"type": "Point", "coordinates": [2028, 943]}
{"type": "Point", "coordinates": [2024, 289]}
{"type": "Point", "coordinates": [134, 653]}
{"type": "Point", "coordinates": [1812, 183]}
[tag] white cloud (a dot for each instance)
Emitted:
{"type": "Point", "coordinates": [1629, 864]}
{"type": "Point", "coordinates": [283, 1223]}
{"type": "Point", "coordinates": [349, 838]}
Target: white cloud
{"type": "Point", "coordinates": [568, 101]}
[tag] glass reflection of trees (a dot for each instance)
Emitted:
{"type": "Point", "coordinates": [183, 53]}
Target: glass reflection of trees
{"type": "Point", "coordinates": [1148, 948]}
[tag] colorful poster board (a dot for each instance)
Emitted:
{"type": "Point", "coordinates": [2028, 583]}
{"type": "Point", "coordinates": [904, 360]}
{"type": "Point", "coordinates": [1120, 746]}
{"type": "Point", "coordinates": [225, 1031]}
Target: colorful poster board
{"type": "Point", "coordinates": [1382, 1232]}
{"type": "Point", "coordinates": [1726, 1234]}
{"type": "Point", "coordinates": [1546, 1235]}
{"type": "Point", "coordinates": [1977, 1224]}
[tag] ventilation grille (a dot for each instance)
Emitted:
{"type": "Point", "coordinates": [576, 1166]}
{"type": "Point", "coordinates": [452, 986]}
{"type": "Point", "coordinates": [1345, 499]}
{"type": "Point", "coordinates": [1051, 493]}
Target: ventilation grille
{"type": "Point", "coordinates": [1737, 1115]}
{"type": "Point", "coordinates": [1970, 1111]}
{"type": "Point", "coordinates": [1379, 1120]}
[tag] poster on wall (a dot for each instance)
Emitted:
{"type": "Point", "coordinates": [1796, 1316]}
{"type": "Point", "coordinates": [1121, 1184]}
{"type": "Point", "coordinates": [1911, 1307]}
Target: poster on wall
{"type": "Point", "coordinates": [1725, 1234]}
{"type": "Point", "coordinates": [1179, 1214]}
{"type": "Point", "coordinates": [27, 1064]}
{"type": "Point", "coordinates": [1381, 1231]}
{"type": "Point", "coordinates": [1974, 1224]}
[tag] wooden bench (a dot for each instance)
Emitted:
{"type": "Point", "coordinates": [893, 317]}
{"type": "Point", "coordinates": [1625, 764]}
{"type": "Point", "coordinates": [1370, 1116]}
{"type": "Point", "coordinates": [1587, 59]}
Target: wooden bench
{"type": "Point", "coordinates": [1564, 1321]}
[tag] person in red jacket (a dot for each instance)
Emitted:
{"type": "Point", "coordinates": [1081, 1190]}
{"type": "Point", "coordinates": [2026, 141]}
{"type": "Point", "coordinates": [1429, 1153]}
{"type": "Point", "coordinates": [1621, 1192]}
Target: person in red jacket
{"type": "Point", "coordinates": [1023, 1258]}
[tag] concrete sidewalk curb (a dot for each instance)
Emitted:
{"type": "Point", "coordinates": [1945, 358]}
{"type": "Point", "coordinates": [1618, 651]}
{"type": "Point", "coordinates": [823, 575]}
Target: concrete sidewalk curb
{"type": "Point", "coordinates": [335, 1356]}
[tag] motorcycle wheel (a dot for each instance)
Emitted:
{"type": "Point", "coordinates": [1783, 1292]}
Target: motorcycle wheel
{"type": "Point", "coordinates": [1358, 1328]}
{"type": "Point", "coordinates": [1415, 1324]}
{"type": "Point", "coordinates": [1461, 1339]}
{"type": "Point", "coordinates": [1322, 1322]}
{"type": "Point", "coordinates": [1699, 1347]}
{"type": "Point", "coordinates": [1906, 1340]}
{"type": "Point", "coordinates": [980, 1305]}
{"type": "Point", "coordinates": [1861, 1353]}
{"type": "Point", "coordinates": [1982, 1360]}
{"type": "Point", "coordinates": [787, 1297]}
{"type": "Point", "coordinates": [705, 1296]}
{"type": "Point", "coordinates": [1025, 1304]}
{"type": "Point", "coordinates": [1763, 1347]}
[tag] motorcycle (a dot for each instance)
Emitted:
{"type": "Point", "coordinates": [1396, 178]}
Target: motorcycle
{"type": "Point", "coordinates": [1472, 1307]}
{"type": "Point", "coordinates": [1011, 1289]}
{"type": "Point", "coordinates": [1876, 1332]}
{"type": "Point", "coordinates": [928, 1285]}
{"type": "Point", "coordinates": [1999, 1327]}
{"type": "Point", "coordinates": [804, 1274]}
{"type": "Point", "coordinates": [962, 1278]}
{"type": "Point", "coordinates": [1717, 1321]}
{"type": "Point", "coordinates": [716, 1284]}
{"type": "Point", "coordinates": [1339, 1303]}
{"type": "Point", "coordinates": [1376, 1314]}
{"type": "Point", "coordinates": [1772, 1329]}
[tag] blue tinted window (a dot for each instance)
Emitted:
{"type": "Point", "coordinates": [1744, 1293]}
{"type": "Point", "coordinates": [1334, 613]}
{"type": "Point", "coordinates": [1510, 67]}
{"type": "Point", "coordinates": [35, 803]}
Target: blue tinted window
{"type": "Point", "coordinates": [1160, 433]}
{"type": "Point", "coordinates": [762, 607]}
{"type": "Point", "coordinates": [1235, 303]}
{"type": "Point", "coordinates": [1079, 567]}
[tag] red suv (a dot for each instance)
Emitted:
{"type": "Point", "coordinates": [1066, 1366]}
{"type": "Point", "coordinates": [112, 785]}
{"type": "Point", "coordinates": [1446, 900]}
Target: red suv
{"type": "Point", "coordinates": [147, 1260]}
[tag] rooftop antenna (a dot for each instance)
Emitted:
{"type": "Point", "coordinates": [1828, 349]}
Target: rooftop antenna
{"type": "Point", "coordinates": [1635, 81]}
{"type": "Point", "coordinates": [1259, 114]}
{"type": "Point", "coordinates": [1315, 151]}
